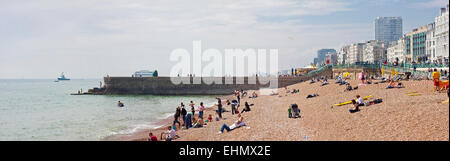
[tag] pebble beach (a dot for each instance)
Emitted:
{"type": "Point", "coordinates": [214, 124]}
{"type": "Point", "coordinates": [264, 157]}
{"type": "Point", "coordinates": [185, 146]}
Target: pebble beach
{"type": "Point", "coordinates": [400, 117]}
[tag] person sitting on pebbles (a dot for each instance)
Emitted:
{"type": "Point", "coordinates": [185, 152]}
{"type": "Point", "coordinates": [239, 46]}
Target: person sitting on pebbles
{"type": "Point", "coordinates": [357, 103]}
{"type": "Point", "coordinates": [239, 122]}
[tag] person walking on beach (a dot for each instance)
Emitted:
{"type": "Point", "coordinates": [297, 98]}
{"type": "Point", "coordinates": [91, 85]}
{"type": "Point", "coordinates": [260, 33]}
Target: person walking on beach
{"type": "Point", "coordinates": [183, 113]}
{"type": "Point", "coordinates": [201, 108]}
{"type": "Point", "coordinates": [238, 96]}
{"type": "Point", "coordinates": [436, 76]}
{"type": "Point", "coordinates": [192, 108]}
{"type": "Point", "coordinates": [176, 117]}
{"type": "Point", "coordinates": [219, 107]}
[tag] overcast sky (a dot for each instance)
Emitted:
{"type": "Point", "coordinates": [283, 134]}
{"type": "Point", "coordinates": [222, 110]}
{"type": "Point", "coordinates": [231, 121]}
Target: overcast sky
{"type": "Point", "coordinates": [92, 38]}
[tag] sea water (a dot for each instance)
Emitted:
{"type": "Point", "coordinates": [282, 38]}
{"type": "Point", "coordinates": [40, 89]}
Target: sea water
{"type": "Point", "coordinates": [45, 110]}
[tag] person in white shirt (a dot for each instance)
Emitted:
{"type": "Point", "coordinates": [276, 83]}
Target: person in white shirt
{"type": "Point", "coordinates": [358, 102]}
{"type": "Point", "coordinates": [170, 134]}
{"type": "Point", "coordinates": [237, 124]}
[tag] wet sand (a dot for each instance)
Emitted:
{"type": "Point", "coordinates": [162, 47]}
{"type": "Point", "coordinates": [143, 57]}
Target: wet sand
{"type": "Point", "coordinates": [398, 118]}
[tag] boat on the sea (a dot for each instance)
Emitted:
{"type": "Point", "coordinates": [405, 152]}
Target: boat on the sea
{"type": "Point", "coordinates": [62, 77]}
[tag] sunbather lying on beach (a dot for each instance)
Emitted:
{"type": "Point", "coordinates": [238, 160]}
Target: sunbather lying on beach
{"type": "Point", "coordinates": [350, 88]}
{"type": "Point", "coordinates": [254, 95]}
{"type": "Point", "coordinates": [325, 82]}
{"type": "Point", "coordinates": [312, 95]}
{"type": "Point", "coordinates": [247, 108]}
{"type": "Point", "coordinates": [237, 124]}
{"type": "Point", "coordinates": [392, 85]}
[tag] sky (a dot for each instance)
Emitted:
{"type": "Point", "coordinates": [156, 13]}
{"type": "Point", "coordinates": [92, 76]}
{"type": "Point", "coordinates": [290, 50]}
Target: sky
{"type": "Point", "coordinates": [94, 38]}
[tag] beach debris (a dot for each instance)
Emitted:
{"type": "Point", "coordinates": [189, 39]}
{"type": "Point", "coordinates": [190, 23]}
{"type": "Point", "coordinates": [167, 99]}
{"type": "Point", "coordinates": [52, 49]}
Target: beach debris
{"type": "Point", "coordinates": [445, 101]}
{"type": "Point", "coordinates": [415, 94]}
{"type": "Point", "coordinates": [411, 92]}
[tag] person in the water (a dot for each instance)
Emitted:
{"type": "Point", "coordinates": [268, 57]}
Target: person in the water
{"type": "Point", "coordinates": [120, 104]}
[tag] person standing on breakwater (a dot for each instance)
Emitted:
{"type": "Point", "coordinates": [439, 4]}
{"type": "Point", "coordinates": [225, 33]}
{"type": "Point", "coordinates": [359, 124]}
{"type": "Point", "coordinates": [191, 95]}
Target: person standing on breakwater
{"type": "Point", "coordinates": [192, 108]}
{"type": "Point", "coordinates": [219, 107]}
{"type": "Point", "coordinates": [201, 108]}
{"type": "Point", "coordinates": [183, 113]}
{"type": "Point", "coordinates": [176, 117]}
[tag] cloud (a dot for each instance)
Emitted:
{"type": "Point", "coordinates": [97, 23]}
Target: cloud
{"type": "Point", "coordinates": [431, 4]}
{"type": "Point", "coordinates": [89, 39]}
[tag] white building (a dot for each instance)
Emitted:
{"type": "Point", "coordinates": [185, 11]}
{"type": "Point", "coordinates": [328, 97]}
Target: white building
{"type": "Point", "coordinates": [431, 43]}
{"type": "Point", "coordinates": [355, 53]}
{"type": "Point", "coordinates": [441, 35]}
{"type": "Point", "coordinates": [342, 55]}
{"type": "Point", "coordinates": [374, 52]}
{"type": "Point", "coordinates": [396, 52]}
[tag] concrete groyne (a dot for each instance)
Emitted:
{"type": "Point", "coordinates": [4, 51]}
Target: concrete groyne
{"type": "Point", "coordinates": [165, 86]}
{"type": "Point", "coordinates": [196, 86]}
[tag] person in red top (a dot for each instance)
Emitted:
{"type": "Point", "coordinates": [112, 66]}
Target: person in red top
{"type": "Point", "coordinates": [152, 137]}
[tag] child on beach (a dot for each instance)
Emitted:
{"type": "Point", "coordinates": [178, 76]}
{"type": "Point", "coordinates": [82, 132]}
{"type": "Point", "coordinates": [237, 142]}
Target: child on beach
{"type": "Point", "coordinates": [210, 118]}
{"type": "Point", "coordinates": [152, 137]}
{"type": "Point", "coordinates": [290, 112]}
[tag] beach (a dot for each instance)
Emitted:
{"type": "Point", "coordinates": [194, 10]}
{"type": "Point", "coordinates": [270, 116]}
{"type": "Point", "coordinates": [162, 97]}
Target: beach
{"type": "Point", "coordinates": [399, 117]}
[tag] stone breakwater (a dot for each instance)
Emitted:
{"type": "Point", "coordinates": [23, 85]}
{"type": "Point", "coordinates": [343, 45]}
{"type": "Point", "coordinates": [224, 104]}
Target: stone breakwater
{"type": "Point", "coordinates": [196, 85]}
{"type": "Point", "coordinates": [164, 85]}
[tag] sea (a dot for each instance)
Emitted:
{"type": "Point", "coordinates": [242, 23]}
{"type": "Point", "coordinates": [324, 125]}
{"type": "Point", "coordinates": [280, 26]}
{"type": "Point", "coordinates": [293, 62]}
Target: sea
{"type": "Point", "coordinates": [44, 110]}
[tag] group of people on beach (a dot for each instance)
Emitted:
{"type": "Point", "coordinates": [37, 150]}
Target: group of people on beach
{"type": "Point", "coordinates": [190, 120]}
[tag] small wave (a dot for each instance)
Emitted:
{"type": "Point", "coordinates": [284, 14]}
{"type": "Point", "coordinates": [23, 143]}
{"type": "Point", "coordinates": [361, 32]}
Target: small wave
{"type": "Point", "coordinates": [165, 116]}
{"type": "Point", "coordinates": [134, 129]}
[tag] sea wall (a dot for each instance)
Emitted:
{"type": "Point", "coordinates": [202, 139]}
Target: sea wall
{"type": "Point", "coordinates": [206, 86]}
{"type": "Point", "coordinates": [197, 85]}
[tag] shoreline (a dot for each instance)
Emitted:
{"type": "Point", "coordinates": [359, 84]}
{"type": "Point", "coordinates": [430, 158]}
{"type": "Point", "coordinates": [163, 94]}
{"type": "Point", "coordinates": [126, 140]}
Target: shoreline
{"type": "Point", "coordinates": [160, 127]}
